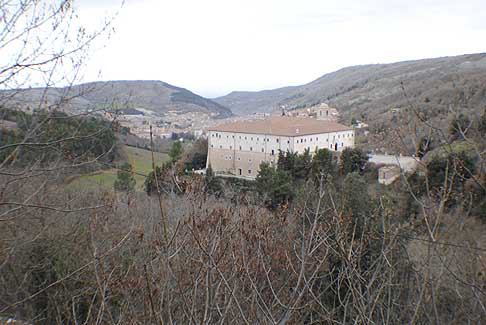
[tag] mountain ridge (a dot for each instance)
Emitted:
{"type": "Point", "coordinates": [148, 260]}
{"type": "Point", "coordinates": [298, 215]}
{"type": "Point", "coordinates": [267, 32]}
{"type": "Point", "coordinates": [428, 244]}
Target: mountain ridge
{"type": "Point", "coordinates": [155, 95]}
{"type": "Point", "coordinates": [356, 89]}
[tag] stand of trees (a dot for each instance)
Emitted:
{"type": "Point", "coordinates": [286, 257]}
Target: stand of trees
{"type": "Point", "coordinates": [279, 185]}
{"type": "Point", "coordinates": [46, 137]}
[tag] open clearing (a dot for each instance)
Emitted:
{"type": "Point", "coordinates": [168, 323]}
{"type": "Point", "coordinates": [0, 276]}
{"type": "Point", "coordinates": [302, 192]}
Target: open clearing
{"type": "Point", "coordinates": [140, 159]}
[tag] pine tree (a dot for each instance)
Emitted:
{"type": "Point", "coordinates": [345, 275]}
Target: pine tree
{"type": "Point", "coordinates": [125, 182]}
{"type": "Point", "coordinates": [353, 160]}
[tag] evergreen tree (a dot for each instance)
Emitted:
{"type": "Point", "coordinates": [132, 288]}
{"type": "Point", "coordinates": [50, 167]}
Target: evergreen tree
{"type": "Point", "coordinates": [125, 182]}
{"type": "Point", "coordinates": [302, 166]}
{"type": "Point", "coordinates": [286, 161]}
{"type": "Point", "coordinates": [456, 166]}
{"type": "Point", "coordinates": [353, 160]}
{"type": "Point", "coordinates": [175, 151]}
{"type": "Point", "coordinates": [323, 164]}
{"type": "Point", "coordinates": [459, 127]}
{"type": "Point", "coordinates": [274, 185]}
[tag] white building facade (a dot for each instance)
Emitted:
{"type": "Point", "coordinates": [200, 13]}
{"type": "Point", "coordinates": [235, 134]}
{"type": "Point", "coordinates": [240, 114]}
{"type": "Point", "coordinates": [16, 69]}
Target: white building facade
{"type": "Point", "coordinates": [239, 148]}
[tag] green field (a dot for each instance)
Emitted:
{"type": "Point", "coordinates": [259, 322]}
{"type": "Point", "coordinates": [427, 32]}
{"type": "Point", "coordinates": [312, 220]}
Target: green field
{"type": "Point", "coordinates": [140, 159]}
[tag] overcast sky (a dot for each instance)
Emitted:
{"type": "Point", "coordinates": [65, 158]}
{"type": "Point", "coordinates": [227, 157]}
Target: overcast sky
{"type": "Point", "coordinates": [213, 47]}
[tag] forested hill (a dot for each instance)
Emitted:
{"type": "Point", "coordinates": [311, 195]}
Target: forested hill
{"type": "Point", "coordinates": [156, 96]}
{"type": "Point", "coordinates": [368, 90]}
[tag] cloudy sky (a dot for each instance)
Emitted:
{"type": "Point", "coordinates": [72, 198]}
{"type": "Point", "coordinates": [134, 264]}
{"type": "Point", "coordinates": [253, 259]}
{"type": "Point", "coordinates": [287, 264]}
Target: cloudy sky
{"type": "Point", "coordinates": [213, 47]}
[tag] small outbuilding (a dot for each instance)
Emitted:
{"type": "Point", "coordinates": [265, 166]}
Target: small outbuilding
{"type": "Point", "coordinates": [388, 174]}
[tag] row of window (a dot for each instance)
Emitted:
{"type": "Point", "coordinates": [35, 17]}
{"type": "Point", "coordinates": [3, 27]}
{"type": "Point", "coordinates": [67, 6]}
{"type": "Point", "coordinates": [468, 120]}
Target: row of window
{"type": "Point", "coordinates": [217, 135]}
{"type": "Point", "coordinates": [272, 152]}
{"type": "Point", "coordinates": [347, 135]}
{"type": "Point", "coordinates": [239, 158]}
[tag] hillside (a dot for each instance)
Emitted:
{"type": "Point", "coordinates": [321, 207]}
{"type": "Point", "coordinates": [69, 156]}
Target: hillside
{"type": "Point", "coordinates": [156, 96]}
{"type": "Point", "coordinates": [248, 102]}
{"type": "Point", "coordinates": [368, 90]}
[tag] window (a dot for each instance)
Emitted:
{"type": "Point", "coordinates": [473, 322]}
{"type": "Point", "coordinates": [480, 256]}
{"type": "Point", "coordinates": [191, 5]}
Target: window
{"type": "Point", "coordinates": [240, 147]}
{"type": "Point", "coordinates": [212, 135]}
{"type": "Point", "coordinates": [220, 147]}
{"type": "Point", "coordinates": [310, 139]}
{"type": "Point", "coordinates": [212, 146]}
{"type": "Point", "coordinates": [249, 171]}
{"type": "Point", "coordinates": [251, 148]}
{"type": "Point", "coordinates": [273, 152]}
{"type": "Point", "coordinates": [257, 139]}
{"type": "Point", "coordinates": [288, 141]}
{"type": "Point", "coordinates": [231, 147]}
{"type": "Point", "coordinates": [245, 138]}
{"type": "Point", "coordinates": [249, 160]}
{"type": "Point", "coordinates": [233, 136]}
{"type": "Point", "coordinates": [277, 140]}
{"type": "Point", "coordinates": [239, 171]}
{"type": "Point", "coordinates": [240, 137]}
{"type": "Point", "coordinates": [251, 138]}
{"type": "Point", "coordinates": [263, 150]}
{"type": "Point", "coordinates": [239, 158]}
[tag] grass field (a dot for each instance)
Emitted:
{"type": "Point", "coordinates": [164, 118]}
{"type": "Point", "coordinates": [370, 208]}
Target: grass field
{"type": "Point", "coordinates": [140, 159]}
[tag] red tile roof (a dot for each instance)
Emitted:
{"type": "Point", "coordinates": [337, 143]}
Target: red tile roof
{"type": "Point", "coordinates": [282, 125]}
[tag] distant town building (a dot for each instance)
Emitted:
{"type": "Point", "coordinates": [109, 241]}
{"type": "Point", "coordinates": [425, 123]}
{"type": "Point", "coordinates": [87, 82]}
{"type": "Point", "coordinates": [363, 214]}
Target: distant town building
{"type": "Point", "coordinates": [198, 133]}
{"type": "Point", "coordinates": [360, 125]}
{"type": "Point", "coordinates": [324, 112]}
{"type": "Point", "coordinates": [239, 148]}
{"type": "Point", "coordinates": [320, 111]}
